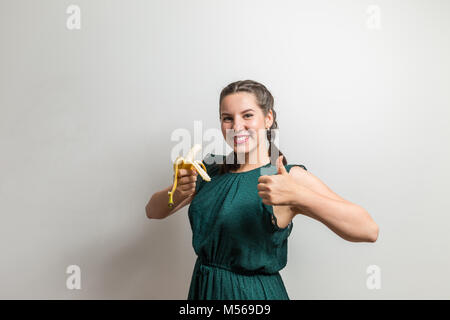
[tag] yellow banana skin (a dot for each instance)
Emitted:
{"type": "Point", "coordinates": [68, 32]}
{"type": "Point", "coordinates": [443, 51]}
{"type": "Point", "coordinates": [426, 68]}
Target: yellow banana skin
{"type": "Point", "coordinates": [189, 163]}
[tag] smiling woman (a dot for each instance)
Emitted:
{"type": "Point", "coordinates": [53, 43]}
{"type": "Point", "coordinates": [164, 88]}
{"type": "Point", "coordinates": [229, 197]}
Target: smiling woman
{"type": "Point", "coordinates": [240, 241]}
{"type": "Point", "coordinates": [241, 219]}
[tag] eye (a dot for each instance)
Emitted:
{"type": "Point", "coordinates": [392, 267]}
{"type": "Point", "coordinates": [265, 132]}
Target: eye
{"type": "Point", "coordinates": [247, 114]}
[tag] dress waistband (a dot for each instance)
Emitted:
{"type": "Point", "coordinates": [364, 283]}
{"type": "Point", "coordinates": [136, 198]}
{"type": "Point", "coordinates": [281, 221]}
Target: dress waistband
{"type": "Point", "coordinates": [204, 265]}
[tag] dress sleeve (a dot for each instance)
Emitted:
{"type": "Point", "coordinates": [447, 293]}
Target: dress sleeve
{"type": "Point", "coordinates": [289, 166]}
{"type": "Point", "coordinates": [273, 218]}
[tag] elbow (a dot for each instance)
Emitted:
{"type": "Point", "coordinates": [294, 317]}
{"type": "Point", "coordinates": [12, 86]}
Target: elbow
{"type": "Point", "coordinates": [152, 214]}
{"type": "Point", "coordinates": [147, 213]}
{"type": "Point", "coordinates": [373, 234]}
{"type": "Point", "coordinates": [372, 229]}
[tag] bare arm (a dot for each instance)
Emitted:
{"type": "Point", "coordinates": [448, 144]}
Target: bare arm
{"type": "Point", "coordinates": [348, 220]}
{"type": "Point", "coordinates": [316, 200]}
{"type": "Point", "coordinates": [157, 207]}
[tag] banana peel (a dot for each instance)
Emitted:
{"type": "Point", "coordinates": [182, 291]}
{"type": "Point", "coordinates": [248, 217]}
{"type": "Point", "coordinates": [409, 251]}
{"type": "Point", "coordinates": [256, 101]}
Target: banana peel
{"type": "Point", "coordinates": [189, 163]}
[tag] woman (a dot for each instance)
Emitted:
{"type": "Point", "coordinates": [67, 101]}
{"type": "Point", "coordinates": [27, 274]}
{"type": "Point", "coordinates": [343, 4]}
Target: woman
{"type": "Point", "coordinates": [242, 218]}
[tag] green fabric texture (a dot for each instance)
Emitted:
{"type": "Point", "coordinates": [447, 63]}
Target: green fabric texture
{"type": "Point", "coordinates": [240, 248]}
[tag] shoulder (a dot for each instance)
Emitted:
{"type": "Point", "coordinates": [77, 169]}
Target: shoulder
{"type": "Point", "coordinates": [296, 168]}
{"type": "Point", "coordinates": [300, 174]}
{"type": "Point", "coordinates": [212, 159]}
{"type": "Point", "coordinates": [298, 171]}
{"type": "Point", "coordinates": [212, 162]}
{"type": "Point", "coordinates": [309, 180]}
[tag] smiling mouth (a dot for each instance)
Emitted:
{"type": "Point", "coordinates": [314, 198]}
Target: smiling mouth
{"type": "Point", "coordinates": [241, 139]}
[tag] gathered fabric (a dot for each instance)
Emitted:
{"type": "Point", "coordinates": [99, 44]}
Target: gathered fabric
{"type": "Point", "coordinates": [239, 246]}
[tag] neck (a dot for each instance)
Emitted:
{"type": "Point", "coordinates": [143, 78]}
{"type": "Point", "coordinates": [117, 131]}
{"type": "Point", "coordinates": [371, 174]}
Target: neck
{"type": "Point", "coordinates": [254, 159]}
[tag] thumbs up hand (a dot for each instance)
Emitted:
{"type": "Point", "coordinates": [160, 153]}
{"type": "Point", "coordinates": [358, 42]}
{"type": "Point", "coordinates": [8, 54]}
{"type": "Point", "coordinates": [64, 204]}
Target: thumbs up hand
{"type": "Point", "coordinates": [278, 189]}
{"type": "Point", "coordinates": [280, 166]}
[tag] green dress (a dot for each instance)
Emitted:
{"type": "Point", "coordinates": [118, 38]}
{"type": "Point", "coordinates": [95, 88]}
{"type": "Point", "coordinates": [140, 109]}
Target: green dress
{"type": "Point", "coordinates": [240, 248]}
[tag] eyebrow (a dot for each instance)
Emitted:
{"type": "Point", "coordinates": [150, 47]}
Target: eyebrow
{"type": "Point", "coordinates": [225, 113]}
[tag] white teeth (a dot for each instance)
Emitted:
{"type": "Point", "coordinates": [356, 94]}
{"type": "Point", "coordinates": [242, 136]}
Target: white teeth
{"type": "Point", "coordinates": [241, 139]}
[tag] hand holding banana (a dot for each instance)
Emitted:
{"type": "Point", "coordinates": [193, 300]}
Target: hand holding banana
{"type": "Point", "coordinates": [185, 174]}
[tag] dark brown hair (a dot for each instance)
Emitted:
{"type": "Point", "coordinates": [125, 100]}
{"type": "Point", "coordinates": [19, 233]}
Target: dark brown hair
{"type": "Point", "coordinates": [265, 101]}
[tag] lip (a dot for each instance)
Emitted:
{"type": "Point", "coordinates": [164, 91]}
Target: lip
{"type": "Point", "coordinates": [245, 140]}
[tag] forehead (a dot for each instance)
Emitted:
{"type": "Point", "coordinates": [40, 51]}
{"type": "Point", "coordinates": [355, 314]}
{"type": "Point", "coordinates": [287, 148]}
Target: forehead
{"type": "Point", "coordinates": [239, 100]}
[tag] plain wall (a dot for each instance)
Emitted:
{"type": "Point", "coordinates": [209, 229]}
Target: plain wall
{"type": "Point", "coordinates": [87, 116]}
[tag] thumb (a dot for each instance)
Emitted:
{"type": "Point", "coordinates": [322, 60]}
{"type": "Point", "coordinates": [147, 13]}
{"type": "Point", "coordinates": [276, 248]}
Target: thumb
{"type": "Point", "coordinates": [280, 166]}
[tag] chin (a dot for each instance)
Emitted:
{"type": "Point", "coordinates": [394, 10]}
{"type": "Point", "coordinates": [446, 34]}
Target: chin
{"type": "Point", "coordinates": [244, 150]}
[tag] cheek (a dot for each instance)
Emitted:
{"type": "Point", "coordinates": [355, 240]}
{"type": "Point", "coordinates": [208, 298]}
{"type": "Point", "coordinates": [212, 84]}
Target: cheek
{"type": "Point", "coordinates": [224, 134]}
{"type": "Point", "coordinates": [260, 132]}
{"type": "Point", "coordinates": [256, 123]}
{"type": "Point", "coordinates": [224, 128]}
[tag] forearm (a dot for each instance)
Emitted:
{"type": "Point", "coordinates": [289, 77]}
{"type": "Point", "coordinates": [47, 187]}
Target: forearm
{"type": "Point", "coordinates": [158, 208]}
{"type": "Point", "coordinates": [348, 220]}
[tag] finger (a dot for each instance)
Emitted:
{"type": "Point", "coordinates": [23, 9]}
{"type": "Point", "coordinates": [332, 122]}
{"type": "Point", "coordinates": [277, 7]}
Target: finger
{"type": "Point", "coordinates": [187, 187]}
{"type": "Point", "coordinates": [194, 172]}
{"type": "Point", "coordinates": [187, 172]}
{"type": "Point", "coordinates": [265, 197]}
{"type": "Point", "coordinates": [262, 187]}
{"type": "Point", "coordinates": [264, 179]}
{"type": "Point", "coordinates": [280, 166]}
{"type": "Point", "coordinates": [184, 172]}
{"type": "Point", "coordinates": [187, 179]}
{"type": "Point", "coordinates": [263, 194]}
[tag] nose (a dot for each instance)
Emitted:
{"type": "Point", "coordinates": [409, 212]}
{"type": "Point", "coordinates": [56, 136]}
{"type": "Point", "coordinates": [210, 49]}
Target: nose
{"type": "Point", "coordinates": [238, 125]}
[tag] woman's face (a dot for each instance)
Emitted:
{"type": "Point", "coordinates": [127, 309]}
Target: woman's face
{"type": "Point", "coordinates": [245, 123]}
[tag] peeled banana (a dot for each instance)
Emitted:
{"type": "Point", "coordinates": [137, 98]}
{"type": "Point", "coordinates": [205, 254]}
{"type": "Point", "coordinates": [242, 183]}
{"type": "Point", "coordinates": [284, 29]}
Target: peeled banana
{"type": "Point", "coordinates": [189, 163]}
